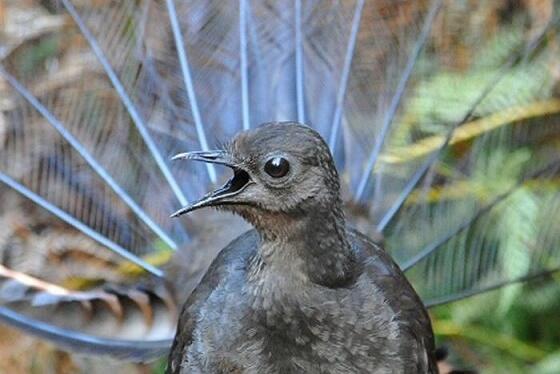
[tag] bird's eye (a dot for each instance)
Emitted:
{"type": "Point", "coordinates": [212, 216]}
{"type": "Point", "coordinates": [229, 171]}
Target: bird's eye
{"type": "Point", "coordinates": [277, 167]}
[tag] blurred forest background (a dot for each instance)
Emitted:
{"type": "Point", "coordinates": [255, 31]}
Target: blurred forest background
{"type": "Point", "coordinates": [511, 330]}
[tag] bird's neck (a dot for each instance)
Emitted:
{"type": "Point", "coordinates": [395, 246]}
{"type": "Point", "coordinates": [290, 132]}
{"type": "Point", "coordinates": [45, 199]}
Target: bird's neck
{"type": "Point", "coordinates": [307, 247]}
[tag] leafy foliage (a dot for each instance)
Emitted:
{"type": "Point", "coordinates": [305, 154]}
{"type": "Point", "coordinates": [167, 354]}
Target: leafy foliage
{"type": "Point", "coordinates": [515, 329]}
{"type": "Point", "coordinates": [496, 159]}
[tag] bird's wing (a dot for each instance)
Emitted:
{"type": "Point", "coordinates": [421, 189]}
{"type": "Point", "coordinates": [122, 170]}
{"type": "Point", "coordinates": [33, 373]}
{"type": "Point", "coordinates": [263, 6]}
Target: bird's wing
{"type": "Point", "coordinates": [238, 249]}
{"type": "Point", "coordinates": [441, 116]}
{"type": "Point", "coordinates": [401, 298]}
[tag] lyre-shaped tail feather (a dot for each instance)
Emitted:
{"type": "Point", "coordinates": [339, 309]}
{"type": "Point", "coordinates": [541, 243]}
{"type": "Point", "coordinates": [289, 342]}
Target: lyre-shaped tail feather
{"type": "Point", "coordinates": [133, 350]}
{"type": "Point", "coordinates": [442, 123]}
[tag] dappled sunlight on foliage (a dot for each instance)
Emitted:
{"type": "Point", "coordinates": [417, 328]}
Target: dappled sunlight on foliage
{"type": "Point", "coordinates": [481, 110]}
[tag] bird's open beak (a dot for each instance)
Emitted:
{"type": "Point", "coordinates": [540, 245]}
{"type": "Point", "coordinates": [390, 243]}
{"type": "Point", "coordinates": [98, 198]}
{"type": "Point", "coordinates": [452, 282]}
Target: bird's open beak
{"type": "Point", "coordinates": [223, 195]}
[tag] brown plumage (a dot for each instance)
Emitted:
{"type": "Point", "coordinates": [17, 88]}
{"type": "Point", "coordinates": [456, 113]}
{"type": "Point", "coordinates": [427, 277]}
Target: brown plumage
{"type": "Point", "coordinates": [302, 292]}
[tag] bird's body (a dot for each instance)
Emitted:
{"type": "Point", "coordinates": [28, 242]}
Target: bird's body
{"type": "Point", "coordinates": [441, 117]}
{"type": "Point", "coordinates": [302, 292]}
{"type": "Point", "coordinates": [267, 323]}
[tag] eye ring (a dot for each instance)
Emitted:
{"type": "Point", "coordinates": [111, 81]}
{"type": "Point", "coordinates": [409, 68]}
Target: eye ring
{"type": "Point", "coordinates": [277, 167]}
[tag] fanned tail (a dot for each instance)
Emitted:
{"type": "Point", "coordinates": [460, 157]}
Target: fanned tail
{"type": "Point", "coordinates": [441, 120]}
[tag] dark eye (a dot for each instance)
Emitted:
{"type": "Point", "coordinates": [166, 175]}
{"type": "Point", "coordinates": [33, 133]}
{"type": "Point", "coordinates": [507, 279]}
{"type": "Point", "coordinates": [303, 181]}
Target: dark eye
{"type": "Point", "coordinates": [277, 167]}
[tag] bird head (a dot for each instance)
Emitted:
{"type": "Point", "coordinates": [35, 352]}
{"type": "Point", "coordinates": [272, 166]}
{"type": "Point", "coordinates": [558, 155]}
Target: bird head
{"type": "Point", "coordinates": [278, 168]}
